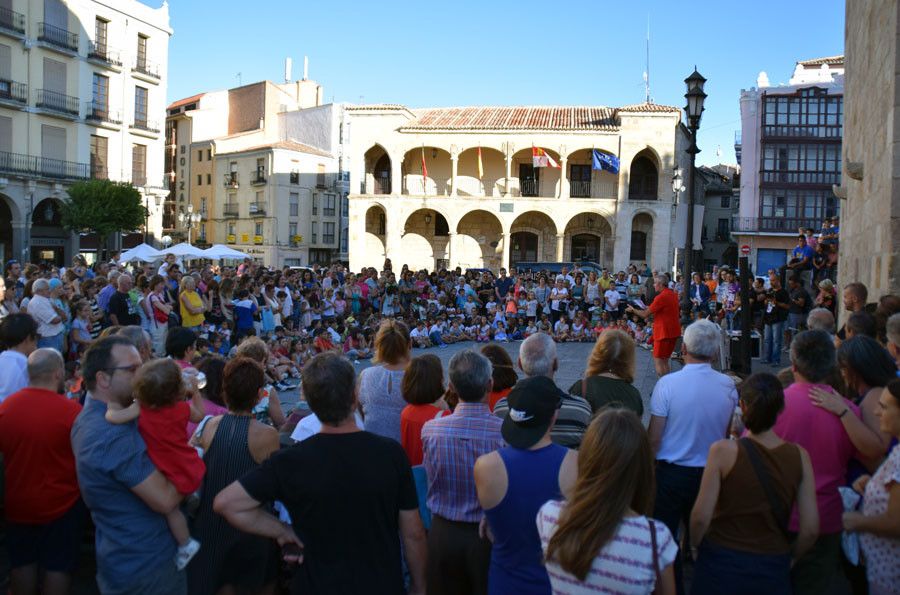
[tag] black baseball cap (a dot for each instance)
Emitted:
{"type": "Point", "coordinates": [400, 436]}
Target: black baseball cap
{"type": "Point", "coordinates": [532, 403]}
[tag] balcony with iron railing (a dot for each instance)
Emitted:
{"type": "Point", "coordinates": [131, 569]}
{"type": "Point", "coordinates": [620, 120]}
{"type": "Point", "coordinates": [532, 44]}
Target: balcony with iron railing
{"type": "Point", "coordinates": [42, 167]}
{"type": "Point", "coordinates": [146, 69]}
{"type": "Point", "coordinates": [580, 189]}
{"type": "Point", "coordinates": [259, 177]}
{"type": "Point", "coordinates": [231, 209]}
{"type": "Point", "coordinates": [104, 55]}
{"type": "Point", "coordinates": [99, 113]}
{"type": "Point", "coordinates": [775, 225]}
{"type": "Point", "coordinates": [822, 131]}
{"type": "Point", "coordinates": [12, 22]}
{"type": "Point", "coordinates": [145, 125]}
{"type": "Point", "coordinates": [529, 188]}
{"type": "Point", "coordinates": [257, 209]}
{"type": "Point", "coordinates": [57, 103]}
{"type": "Point", "coordinates": [231, 180]}
{"type": "Point", "coordinates": [58, 38]}
{"type": "Point", "coordinates": [821, 178]}
{"type": "Point", "coordinates": [12, 92]}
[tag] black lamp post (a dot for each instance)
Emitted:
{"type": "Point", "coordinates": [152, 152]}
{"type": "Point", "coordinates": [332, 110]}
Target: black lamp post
{"type": "Point", "coordinates": [694, 110]}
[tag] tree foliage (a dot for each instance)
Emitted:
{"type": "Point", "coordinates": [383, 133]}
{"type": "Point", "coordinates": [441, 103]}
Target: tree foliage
{"type": "Point", "coordinates": [104, 207]}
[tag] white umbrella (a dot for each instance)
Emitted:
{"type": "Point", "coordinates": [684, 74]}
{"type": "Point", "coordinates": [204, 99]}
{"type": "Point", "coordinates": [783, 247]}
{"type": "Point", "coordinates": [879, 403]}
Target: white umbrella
{"type": "Point", "coordinates": [142, 253]}
{"type": "Point", "coordinates": [184, 250]}
{"type": "Point", "coordinates": [221, 251]}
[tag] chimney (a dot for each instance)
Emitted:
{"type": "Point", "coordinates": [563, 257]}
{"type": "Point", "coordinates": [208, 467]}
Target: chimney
{"type": "Point", "coordinates": [305, 67]}
{"type": "Point", "coordinates": [288, 64]}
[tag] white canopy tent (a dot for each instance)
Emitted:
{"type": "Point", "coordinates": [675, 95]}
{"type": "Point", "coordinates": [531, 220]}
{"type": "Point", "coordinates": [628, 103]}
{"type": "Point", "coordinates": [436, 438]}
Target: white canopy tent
{"type": "Point", "coordinates": [223, 252]}
{"type": "Point", "coordinates": [184, 250]}
{"type": "Point", "coordinates": [142, 253]}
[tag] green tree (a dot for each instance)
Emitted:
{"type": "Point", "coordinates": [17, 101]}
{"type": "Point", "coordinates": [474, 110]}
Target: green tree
{"type": "Point", "coordinates": [103, 207]}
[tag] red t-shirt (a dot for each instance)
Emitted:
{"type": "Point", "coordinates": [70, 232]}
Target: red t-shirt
{"type": "Point", "coordinates": [412, 418]}
{"type": "Point", "coordinates": [496, 395]}
{"type": "Point", "coordinates": [41, 484]}
{"type": "Point", "coordinates": [163, 431]}
{"type": "Point", "coordinates": [666, 323]}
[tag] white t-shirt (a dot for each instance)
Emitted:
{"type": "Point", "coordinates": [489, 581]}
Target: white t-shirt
{"type": "Point", "coordinates": [698, 404]}
{"type": "Point", "coordinates": [310, 426]}
{"type": "Point", "coordinates": [624, 565]}
{"type": "Point", "coordinates": [612, 299]}
{"type": "Point", "coordinates": [13, 373]}
{"type": "Point", "coordinates": [416, 333]}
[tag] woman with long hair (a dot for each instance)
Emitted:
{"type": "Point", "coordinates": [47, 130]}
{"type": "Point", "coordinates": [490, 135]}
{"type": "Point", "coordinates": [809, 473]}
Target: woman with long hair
{"type": "Point", "coordinates": [601, 538]}
{"type": "Point", "coordinates": [380, 387]}
{"type": "Point", "coordinates": [502, 372]}
{"type": "Point", "coordinates": [609, 375]}
{"type": "Point", "coordinates": [749, 487]}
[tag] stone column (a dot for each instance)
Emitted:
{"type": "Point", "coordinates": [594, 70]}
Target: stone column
{"type": "Point", "coordinates": [563, 179]}
{"type": "Point", "coordinates": [560, 246]}
{"type": "Point", "coordinates": [454, 163]}
{"type": "Point", "coordinates": [505, 262]}
{"type": "Point", "coordinates": [396, 177]}
{"type": "Point", "coordinates": [508, 154]}
{"type": "Point", "coordinates": [451, 249]}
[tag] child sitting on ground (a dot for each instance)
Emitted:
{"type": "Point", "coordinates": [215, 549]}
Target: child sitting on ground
{"type": "Point", "coordinates": [162, 415]}
{"type": "Point", "coordinates": [578, 329]}
{"type": "Point", "coordinates": [500, 333]}
{"type": "Point", "coordinates": [484, 331]}
{"type": "Point", "coordinates": [561, 330]}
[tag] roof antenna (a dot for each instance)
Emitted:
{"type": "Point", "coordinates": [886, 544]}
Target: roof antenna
{"type": "Point", "coordinates": [647, 98]}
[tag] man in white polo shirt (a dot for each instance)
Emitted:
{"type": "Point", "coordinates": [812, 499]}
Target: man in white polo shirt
{"type": "Point", "coordinates": [689, 410]}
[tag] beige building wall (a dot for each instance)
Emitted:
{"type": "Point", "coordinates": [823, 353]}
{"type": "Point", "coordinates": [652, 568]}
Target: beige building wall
{"type": "Point", "coordinates": [870, 222]}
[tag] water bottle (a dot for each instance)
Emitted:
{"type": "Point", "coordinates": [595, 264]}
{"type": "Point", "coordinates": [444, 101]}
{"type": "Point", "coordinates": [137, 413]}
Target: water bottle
{"type": "Point", "coordinates": [194, 376]}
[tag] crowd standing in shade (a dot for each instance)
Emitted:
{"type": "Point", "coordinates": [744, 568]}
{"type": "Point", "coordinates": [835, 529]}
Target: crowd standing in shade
{"type": "Point", "coordinates": [398, 479]}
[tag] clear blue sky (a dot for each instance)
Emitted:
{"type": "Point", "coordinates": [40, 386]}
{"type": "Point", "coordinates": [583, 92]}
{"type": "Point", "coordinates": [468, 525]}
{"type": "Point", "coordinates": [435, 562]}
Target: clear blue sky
{"type": "Point", "coordinates": [497, 52]}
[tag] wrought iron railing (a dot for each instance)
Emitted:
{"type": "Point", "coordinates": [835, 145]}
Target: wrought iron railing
{"type": "Point", "coordinates": [382, 185]}
{"type": "Point", "coordinates": [580, 189]}
{"type": "Point", "coordinates": [802, 177]}
{"type": "Point", "coordinates": [99, 112]}
{"type": "Point", "coordinates": [12, 21]}
{"type": "Point", "coordinates": [231, 209]}
{"type": "Point", "coordinates": [57, 36]}
{"type": "Point", "coordinates": [773, 224]}
{"type": "Point", "coordinates": [231, 179]}
{"type": "Point", "coordinates": [57, 102]}
{"type": "Point", "coordinates": [13, 91]}
{"type": "Point", "coordinates": [832, 131]}
{"type": "Point", "coordinates": [259, 177]}
{"type": "Point", "coordinates": [146, 125]}
{"type": "Point", "coordinates": [29, 165]}
{"type": "Point", "coordinates": [146, 67]}
{"type": "Point", "coordinates": [528, 187]}
{"type": "Point", "coordinates": [104, 53]}
{"type": "Point", "coordinates": [257, 208]}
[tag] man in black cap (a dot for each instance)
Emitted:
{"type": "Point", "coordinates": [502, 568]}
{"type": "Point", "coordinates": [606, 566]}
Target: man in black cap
{"type": "Point", "coordinates": [515, 481]}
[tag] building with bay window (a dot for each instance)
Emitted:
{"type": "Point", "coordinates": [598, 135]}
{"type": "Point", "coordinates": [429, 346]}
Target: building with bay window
{"type": "Point", "coordinates": [790, 148]}
{"type": "Point", "coordinates": [454, 187]}
{"type": "Point", "coordinates": [82, 91]}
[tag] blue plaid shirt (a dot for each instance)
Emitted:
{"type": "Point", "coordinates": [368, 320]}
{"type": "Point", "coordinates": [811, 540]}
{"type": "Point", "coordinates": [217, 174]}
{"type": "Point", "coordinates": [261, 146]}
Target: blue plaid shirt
{"type": "Point", "coordinates": [451, 444]}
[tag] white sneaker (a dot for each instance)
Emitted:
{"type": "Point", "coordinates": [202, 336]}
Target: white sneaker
{"type": "Point", "coordinates": [185, 553]}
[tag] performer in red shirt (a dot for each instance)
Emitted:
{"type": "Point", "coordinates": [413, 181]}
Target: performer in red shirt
{"type": "Point", "coordinates": [666, 323]}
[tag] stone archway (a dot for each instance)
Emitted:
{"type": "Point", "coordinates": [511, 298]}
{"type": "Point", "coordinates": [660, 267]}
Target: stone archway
{"type": "Point", "coordinates": [643, 180]}
{"type": "Point", "coordinates": [375, 236]}
{"type": "Point", "coordinates": [48, 238]}
{"type": "Point", "coordinates": [425, 241]}
{"type": "Point", "coordinates": [378, 171]}
{"type": "Point", "coordinates": [588, 237]}
{"type": "Point", "coordinates": [478, 241]}
{"type": "Point", "coordinates": [532, 238]}
{"type": "Point", "coordinates": [7, 242]}
{"type": "Point", "coordinates": [641, 238]}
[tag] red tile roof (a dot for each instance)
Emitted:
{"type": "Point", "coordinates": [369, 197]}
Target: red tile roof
{"type": "Point", "coordinates": [186, 101]}
{"type": "Point", "coordinates": [514, 118]}
{"type": "Point", "coordinates": [830, 60]}
{"type": "Point", "coordinates": [649, 107]}
{"type": "Point", "coordinates": [284, 144]}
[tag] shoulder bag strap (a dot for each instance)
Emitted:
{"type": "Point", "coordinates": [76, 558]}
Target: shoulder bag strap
{"type": "Point", "coordinates": [655, 553]}
{"type": "Point", "coordinates": [584, 388]}
{"type": "Point", "coordinates": [776, 506]}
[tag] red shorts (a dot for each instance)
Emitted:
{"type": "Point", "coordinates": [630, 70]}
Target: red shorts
{"type": "Point", "coordinates": [663, 348]}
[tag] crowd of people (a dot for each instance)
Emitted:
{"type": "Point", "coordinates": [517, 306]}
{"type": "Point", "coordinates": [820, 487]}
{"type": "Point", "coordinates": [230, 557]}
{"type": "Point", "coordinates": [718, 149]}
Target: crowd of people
{"type": "Point", "coordinates": [144, 401]}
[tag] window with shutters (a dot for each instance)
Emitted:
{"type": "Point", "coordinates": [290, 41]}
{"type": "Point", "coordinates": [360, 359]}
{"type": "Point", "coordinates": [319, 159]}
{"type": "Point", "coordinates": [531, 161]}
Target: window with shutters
{"type": "Point", "coordinates": [320, 175]}
{"type": "Point", "coordinates": [99, 151]}
{"type": "Point", "coordinates": [139, 165]}
{"type": "Point", "coordinates": [54, 76]}
{"type": "Point", "coordinates": [101, 34]}
{"type": "Point", "coordinates": [6, 134]}
{"type": "Point", "coordinates": [142, 53]}
{"type": "Point", "coordinates": [53, 142]}
{"type": "Point", "coordinates": [140, 107]}
{"type": "Point", "coordinates": [294, 205]}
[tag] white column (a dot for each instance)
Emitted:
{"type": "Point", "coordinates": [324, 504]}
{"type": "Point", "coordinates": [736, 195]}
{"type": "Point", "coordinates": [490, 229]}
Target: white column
{"type": "Point", "coordinates": [560, 246]}
{"type": "Point", "coordinates": [451, 250]}
{"type": "Point", "coordinates": [396, 178]}
{"type": "Point", "coordinates": [454, 162]}
{"type": "Point", "coordinates": [508, 175]}
{"type": "Point", "coordinates": [505, 262]}
{"type": "Point", "coordinates": [563, 179]}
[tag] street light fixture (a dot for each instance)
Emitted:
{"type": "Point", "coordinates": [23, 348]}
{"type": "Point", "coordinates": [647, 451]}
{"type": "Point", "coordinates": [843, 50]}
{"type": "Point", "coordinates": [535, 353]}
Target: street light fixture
{"type": "Point", "coordinates": [189, 220]}
{"type": "Point", "coordinates": [694, 111]}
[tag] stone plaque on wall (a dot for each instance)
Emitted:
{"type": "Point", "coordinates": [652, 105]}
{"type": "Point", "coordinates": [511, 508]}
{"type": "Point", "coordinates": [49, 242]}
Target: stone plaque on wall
{"type": "Point", "coordinates": [506, 207]}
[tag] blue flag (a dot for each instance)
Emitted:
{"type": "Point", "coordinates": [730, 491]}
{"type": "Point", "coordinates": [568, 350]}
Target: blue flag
{"type": "Point", "coordinates": [605, 161]}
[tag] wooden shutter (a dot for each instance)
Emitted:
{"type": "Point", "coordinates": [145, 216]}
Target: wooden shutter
{"type": "Point", "coordinates": [6, 134]}
{"type": "Point", "coordinates": [53, 142]}
{"type": "Point", "coordinates": [54, 76]}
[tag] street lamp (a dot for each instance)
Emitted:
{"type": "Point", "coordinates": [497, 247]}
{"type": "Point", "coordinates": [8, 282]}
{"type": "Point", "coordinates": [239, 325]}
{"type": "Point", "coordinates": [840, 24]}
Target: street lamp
{"type": "Point", "coordinates": [694, 110]}
{"type": "Point", "coordinates": [188, 220]}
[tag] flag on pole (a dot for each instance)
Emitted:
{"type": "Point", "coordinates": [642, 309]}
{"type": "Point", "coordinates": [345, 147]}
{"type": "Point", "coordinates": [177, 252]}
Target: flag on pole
{"type": "Point", "coordinates": [480, 165]}
{"type": "Point", "coordinates": [541, 158]}
{"type": "Point", "coordinates": [604, 161]}
{"type": "Point", "coordinates": [424, 171]}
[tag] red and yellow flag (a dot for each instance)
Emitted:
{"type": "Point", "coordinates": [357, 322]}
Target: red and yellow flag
{"type": "Point", "coordinates": [480, 165]}
{"type": "Point", "coordinates": [424, 171]}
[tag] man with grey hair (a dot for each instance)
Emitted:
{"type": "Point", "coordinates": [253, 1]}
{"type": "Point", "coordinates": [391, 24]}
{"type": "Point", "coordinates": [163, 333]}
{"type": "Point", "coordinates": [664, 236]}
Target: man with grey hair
{"type": "Point", "coordinates": [50, 320]}
{"type": "Point", "coordinates": [458, 555]}
{"type": "Point", "coordinates": [123, 311]}
{"type": "Point", "coordinates": [689, 410]}
{"type": "Point", "coordinates": [537, 358]}
{"type": "Point", "coordinates": [44, 513]}
{"type": "Point", "coordinates": [820, 319]}
{"type": "Point", "coordinates": [141, 339]}
{"type": "Point", "coordinates": [893, 338]}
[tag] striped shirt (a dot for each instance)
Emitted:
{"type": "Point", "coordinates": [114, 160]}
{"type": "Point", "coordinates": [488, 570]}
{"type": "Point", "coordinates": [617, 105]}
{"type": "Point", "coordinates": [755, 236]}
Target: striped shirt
{"type": "Point", "coordinates": [451, 444]}
{"type": "Point", "coordinates": [624, 565]}
{"type": "Point", "coordinates": [573, 419]}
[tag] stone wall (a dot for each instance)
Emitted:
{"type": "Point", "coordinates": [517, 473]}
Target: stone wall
{"type": "Point", "coordinates": [870, 216]}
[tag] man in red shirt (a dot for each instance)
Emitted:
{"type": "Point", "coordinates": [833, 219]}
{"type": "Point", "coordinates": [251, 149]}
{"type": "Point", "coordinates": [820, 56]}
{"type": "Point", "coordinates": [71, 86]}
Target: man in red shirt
{"type": "Point", "coordinates": [44, 513]}
{"type": "Point", "coordinates": [666, 323]}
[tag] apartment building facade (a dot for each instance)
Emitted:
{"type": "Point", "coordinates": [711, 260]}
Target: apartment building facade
{"type": "Point", "coordinates": [82, 91]}
{"type": "Point", "coordinates": [790, 152]}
